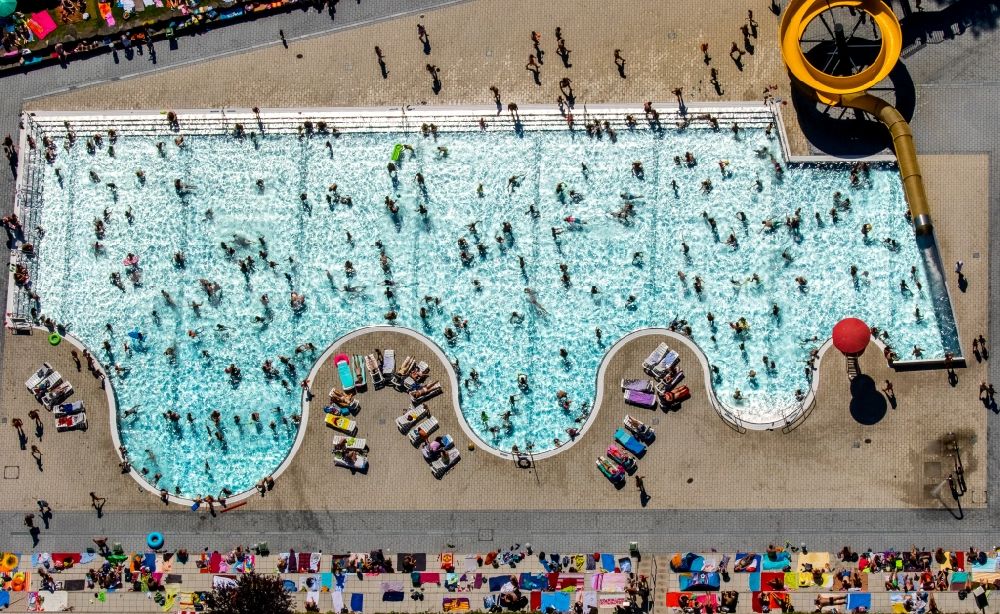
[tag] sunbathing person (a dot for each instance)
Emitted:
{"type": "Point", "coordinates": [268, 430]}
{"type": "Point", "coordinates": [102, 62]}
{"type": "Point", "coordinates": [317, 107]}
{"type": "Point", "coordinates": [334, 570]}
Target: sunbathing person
{"type": "Point", "coordinates": [830, 599]}
{"type": "Point", "coordinates": [744, 563]}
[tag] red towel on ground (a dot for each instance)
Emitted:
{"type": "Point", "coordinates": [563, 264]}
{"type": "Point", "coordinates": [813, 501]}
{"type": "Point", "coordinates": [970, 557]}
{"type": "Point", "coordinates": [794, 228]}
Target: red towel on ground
{"type": "Point", "coordinates": [535, 601]}
{"type": "Point", "coordinates": [59, 557]}
{"type": "Point", "coordinates": [773, 602]}
{"type": "Point", "coordinates": [674, 599]}
{"type": "Point", "coordinates": [304, 558]}
{"type": "Point", "coordinates": [772, 581]}
{"type": "Point", "coordinates": [215, 563]}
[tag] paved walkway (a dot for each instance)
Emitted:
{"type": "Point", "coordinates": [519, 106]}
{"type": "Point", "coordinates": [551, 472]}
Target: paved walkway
{"type": "Point", "coordinates": [956, 114]}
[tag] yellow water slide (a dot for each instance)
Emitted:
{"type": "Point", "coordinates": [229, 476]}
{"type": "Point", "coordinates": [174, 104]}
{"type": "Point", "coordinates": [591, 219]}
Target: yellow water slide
{"type": "Point", "coordinates": [851, 91]}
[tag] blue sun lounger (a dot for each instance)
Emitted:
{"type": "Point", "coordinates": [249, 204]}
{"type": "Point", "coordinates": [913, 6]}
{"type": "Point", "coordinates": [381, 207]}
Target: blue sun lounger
{"type": "Point", "coordinates": [629, 442]}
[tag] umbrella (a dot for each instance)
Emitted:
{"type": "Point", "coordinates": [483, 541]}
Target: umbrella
{"type": "Point", "coordinates": [7, 7]}
{"type": "Point", "coordinates": [851, 336]}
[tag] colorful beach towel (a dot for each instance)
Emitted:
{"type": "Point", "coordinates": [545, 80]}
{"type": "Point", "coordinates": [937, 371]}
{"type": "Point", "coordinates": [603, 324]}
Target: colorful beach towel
{"type": "Point", "coordinates": [701, 581]}
{"type": "Point", "coordinates": [455, 604]}
{"type": "Point", "coordinates": [813, 560]}
{"type": "Point", "coordinates": [751, 567]}
{"type": "Point", "coordinates": [774, 600]}
{"type": "Point", "coordinates": [447, 560]}
{"type": "Point", "coordinates": [497, 582]}
{"type": "Point", "coordinates": [989, 565]}
{"type": "Point", "coordinates": [105, 10]}
{"type": "Point", "coordinates": [558, 601]}
{"type": "Point", "coordinates": [608, 562]}
{"type": "Point", "coordinates": [528, 581]}
{"type": "Point", "coordinates": [781, 560]}
{"type": "Point", "coordinates": [857, 601]}
{"type": "Point", "coordinates": [41, 24]}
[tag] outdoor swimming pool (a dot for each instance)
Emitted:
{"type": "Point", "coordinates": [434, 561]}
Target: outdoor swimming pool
{"type": "Point", "coordinates": [307, 242]}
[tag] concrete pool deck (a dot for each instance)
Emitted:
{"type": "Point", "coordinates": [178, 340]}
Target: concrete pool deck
{"type": "Point", "coordinates": [894, 462]}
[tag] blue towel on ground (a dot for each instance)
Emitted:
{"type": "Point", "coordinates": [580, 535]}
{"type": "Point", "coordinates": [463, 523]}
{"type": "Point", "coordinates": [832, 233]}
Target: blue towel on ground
{"type": "Point", "coordinates": [391, 596]}
{"type": "Point", "coordinates": [497, 582]}
{"type": "Point", "coordinates": [859, 600]}
{"type": "Point", "coordinates": [533, 582]}
{"type": "Point", "coordinates": [357, 602]}
{"type": "Point", "coordinates": [289, 586]}
{"type": "Point", "coordinates": [558, 601]}
{"type": "Point", "coordinates": [697, 563]}
{"type": "Point", "coordinates": [326, 580]}
{"type": "Point", "coordinates": [591, 563]}
{"type": "Point", "coordinates": [4, 599]}
{"type": "Point", "coordinates": [149, 560]}
{"type": "Point", "coordinates": [754, 581]}
{"type": "Point", "coordinates": [783, 560]}
{"type": "Point", "coordinates": [625, 564]}
{"type": "Point", "coordinates": [703, 581]}
{"type": "Point", "coordinates": [87, 557]}
{"type": "Point", "coordinates": [608, 561]}
{"type": "Point", "coordinates": [489, 601]}
{"type": "Point", "coordinates": [548, 565]}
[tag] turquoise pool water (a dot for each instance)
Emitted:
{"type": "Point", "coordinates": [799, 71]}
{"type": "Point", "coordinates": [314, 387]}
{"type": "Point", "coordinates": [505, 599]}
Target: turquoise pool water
{"type": "Point", "coordinates": [307, 242]}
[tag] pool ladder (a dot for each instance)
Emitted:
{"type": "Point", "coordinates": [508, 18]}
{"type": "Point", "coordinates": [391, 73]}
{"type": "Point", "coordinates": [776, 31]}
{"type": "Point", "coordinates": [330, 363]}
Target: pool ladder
{"type": "Point", "coordinates": [852, 367]}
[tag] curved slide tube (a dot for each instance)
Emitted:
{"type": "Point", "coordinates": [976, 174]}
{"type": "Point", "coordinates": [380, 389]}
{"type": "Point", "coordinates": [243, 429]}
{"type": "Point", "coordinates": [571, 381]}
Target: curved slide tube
{"type": "Point", "coordinates": [906, 154]}
{"type": "Point", "coordinates": [797, 17]}
{"type": "Point", "coordinates": [850, 91]}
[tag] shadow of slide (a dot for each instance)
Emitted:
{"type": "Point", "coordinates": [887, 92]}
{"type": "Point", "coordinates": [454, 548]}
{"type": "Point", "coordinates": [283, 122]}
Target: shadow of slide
{"type": "Point", "coordinates": [849, 132]}
{"type": "Point", "coordinates": [868, 406]}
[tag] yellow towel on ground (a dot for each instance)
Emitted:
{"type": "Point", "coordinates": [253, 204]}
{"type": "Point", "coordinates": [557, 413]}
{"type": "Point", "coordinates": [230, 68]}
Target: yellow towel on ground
{"type": "Point", "coordinates": [816, 559]}
{"type": "Point", "coordinates": [168, 603]}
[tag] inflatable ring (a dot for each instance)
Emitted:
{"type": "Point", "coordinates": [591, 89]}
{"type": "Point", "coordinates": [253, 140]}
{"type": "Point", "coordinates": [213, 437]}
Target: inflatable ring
{"type": "Point", "coordinates": [55, 339]}
{"type": "Point", "coordinates": [523, 462]}
{"type": "Point", "coordinates": [154, 540]}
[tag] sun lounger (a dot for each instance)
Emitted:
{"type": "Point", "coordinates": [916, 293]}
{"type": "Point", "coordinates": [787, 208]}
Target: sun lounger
{"type": "Point", "coordinates": [611, 470]}
{"type": "Point", "coordinates": [669, 362]}
{"type": "Point", "coordinates": [413, 415]}
{"type": "Point", "coordinates": [655, 357]}
{"type": "Point", "coordinates": [629, 442]}
{"type": "Point", "coordinates": [640, 399]}
{"type": "Point", "coordinates": [57, 395]}
{"type": "Point", "coordinates": [360, 373]}
{"type": "Point", "coordinates": [388, 363]}
{"type": "Point", "coordinates": [351, 460]}
{"type": "Point", "coordinates": [423, 430]}
{"type": "Point", "coordinates": [342, 424]}
{"type": "Point", "coordinates": [20, 326]}
{"type": "Point", "coordinates": [416, 375]}
{"type": "Point", "coordinates": [642, 432]}
{"type": "Point", "coordinates": [402, 371]}
{"type": "Point", "coordinates": [431, 450]}
{"type": "Point", "coordinates": [74, 422]}
{"type": "Point", "coordinates": [670, 380]}
{"type": "Point", "coordinates": [448, 459]}
{"type": "Point", "coordinates": [36, 378]}
{"type": "Point", "coordinates": [343, 363]}
{"type": "Point", "coordinates": [374, 367]}
{"type": "Point", "coordinates": [425, 393]}
{"type": "Point", "coordinates": [50, 381]}
{"type": "Point", "coordinates": [619, 456]}
{"type": "Point", "coordinates": [637, 385]}
{"type": "Point", "coordinates": [676, 395]}
{"type": "Point", "coordinates": [68, 409]}
{"type": "Point", "coordinates": [350, 443]}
